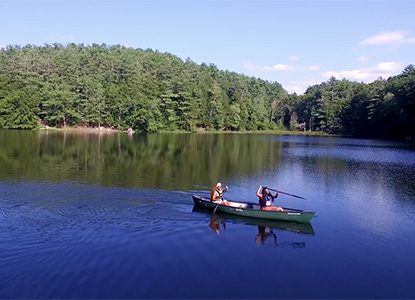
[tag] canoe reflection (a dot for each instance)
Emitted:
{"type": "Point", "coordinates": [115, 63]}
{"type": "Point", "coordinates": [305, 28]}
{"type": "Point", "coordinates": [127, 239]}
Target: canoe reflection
{"type": "Point", "coordinates": [266, 228]}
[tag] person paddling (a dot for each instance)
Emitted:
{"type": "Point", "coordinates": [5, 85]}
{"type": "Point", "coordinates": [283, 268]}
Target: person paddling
{"type": "Point", "coordinates": [216, 193]}
{"type": "Point", "coordinates": [266, 199]}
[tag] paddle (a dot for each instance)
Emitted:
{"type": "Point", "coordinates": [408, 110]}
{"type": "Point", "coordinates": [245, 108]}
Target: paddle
{"type": "Point", "coordinates": [288, 194]}
{"type": "Point", "coordinates": [215, 208]}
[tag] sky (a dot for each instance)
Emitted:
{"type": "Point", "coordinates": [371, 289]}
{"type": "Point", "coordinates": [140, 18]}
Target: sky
{"type": "Point", "coordinates": [292, 42]}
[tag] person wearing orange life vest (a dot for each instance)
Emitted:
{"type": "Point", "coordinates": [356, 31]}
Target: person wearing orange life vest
{"type": "Point", "coordinates": [216, 193]}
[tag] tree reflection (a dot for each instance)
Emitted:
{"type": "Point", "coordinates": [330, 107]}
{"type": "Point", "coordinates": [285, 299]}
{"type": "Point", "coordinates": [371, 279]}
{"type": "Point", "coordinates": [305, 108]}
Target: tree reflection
{"type": "Point", "coordinates": [168, 161]}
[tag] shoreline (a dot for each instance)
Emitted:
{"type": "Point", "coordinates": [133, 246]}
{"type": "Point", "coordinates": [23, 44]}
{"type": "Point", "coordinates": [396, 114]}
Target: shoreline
{"type": "Point", "coordinates": [113, 130]}
{"type": "Point", "coordinates": [80, 129]}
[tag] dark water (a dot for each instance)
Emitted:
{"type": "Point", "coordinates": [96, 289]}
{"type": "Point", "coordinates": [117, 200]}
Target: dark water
{"type": "Point", "coordinates": [109, 216]}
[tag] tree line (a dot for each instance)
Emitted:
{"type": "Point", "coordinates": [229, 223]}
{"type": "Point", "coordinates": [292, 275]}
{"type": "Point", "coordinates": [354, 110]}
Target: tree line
{"type": "Point", "coordinates": [120, 87]}
{"type": "Point", "coordinates": [384, 108]}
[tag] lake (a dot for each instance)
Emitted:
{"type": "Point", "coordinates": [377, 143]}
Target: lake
{"type": "Point", "coordinates": [107, 215]}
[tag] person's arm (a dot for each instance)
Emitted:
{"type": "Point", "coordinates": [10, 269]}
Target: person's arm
{"type": "Point", "coordinates": [258, 192]}
{"type": "Point", "coordinates": [226, 189]}
{"type": "Point", "coordinates": [276, 194]}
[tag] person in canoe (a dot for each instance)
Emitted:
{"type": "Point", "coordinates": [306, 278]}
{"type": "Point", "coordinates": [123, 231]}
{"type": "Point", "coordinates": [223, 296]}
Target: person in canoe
{"type": "Point", "coordinates": [266, 199]}
{"type": "Point", "coordinates": [216, 193]}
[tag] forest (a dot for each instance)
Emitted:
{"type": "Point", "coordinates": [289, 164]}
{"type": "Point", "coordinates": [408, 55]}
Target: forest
{"type": "Point", "coordinates": [120, 87]}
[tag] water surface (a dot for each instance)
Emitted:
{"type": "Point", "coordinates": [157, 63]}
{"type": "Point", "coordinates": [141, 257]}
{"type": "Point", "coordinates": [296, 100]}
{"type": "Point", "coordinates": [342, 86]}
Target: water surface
{"type": "Point", "coordinates": [111, 216]}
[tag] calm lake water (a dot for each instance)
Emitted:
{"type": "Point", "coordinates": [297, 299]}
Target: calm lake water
{"type": "Point", "coordinates": [111, 216]}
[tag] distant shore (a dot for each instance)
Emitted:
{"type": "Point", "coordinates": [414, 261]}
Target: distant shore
{"type": "Point", "coordinates": [103, 129]}
{"type": "Point", "coordinates": [81, 129]}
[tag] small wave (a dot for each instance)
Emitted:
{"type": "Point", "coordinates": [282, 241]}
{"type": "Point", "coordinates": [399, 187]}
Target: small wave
{"type": "Point", "coordinates": [5, 213]}
{"type": "Point", "coordinates": [358, 154]}
{"type": "Point", "coordinates": [83, 210]}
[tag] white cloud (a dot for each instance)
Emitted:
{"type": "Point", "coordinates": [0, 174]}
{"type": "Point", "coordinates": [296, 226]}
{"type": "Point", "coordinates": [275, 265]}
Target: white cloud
{"type": "Point", "coordinates": [279, 67]}
{"type": "Point", "coordinates": [383, 69]}
{"type": "Point", "coordinates": [358, 75]}
{"type": "Point", "coordinates": [362, 58]}
{"type": "Point", "coordinates": [2, 47]}
{"type": "Point", "coordinates": [312, 68]}
{"type": "Point", "coordinates": [300, 87]}
{"type": "Point", "coordinates": [365, 74]}
{"type": "Point", "coordinates": [388, 66]}
{"type": "Point", "coordinates": [390, 37]}
{"type": "Point", "coordinates": [293, 57]}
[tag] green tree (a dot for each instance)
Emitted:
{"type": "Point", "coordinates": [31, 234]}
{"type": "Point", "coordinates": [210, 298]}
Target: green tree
{"type": "Point", "coordinates": [18, 109]}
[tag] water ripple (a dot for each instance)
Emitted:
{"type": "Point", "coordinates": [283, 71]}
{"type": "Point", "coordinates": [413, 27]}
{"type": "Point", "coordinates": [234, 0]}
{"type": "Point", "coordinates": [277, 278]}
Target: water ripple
{"type": "Point", "coordinates": [358, 154]}
{"type": "Point", "coordinates": [5, 213]}
{"type": "Point", "coordinates": [84, 210]}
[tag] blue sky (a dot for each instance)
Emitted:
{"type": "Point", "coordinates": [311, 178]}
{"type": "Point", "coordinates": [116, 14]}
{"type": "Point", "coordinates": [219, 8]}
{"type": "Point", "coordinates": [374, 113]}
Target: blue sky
{"type": "Point", "coordinates": [296, 43]}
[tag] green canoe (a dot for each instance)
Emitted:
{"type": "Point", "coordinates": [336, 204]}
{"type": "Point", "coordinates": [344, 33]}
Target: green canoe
{"type": "Point", "coordinates": [254, 210]}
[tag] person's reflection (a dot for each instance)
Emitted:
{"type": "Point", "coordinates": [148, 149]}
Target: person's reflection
{"type": "Point", "coordinates": [263, 234]}
{"type": "Point", "coordinates": [215, 223]}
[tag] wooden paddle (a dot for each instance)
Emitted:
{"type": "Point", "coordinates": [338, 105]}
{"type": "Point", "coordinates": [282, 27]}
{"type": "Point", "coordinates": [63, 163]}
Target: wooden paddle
{"type": "Point", "coordinates": [288, 194]}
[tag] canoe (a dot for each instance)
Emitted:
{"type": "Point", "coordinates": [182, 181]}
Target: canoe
{"type": "Point", "coordinates": [253, 210]}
